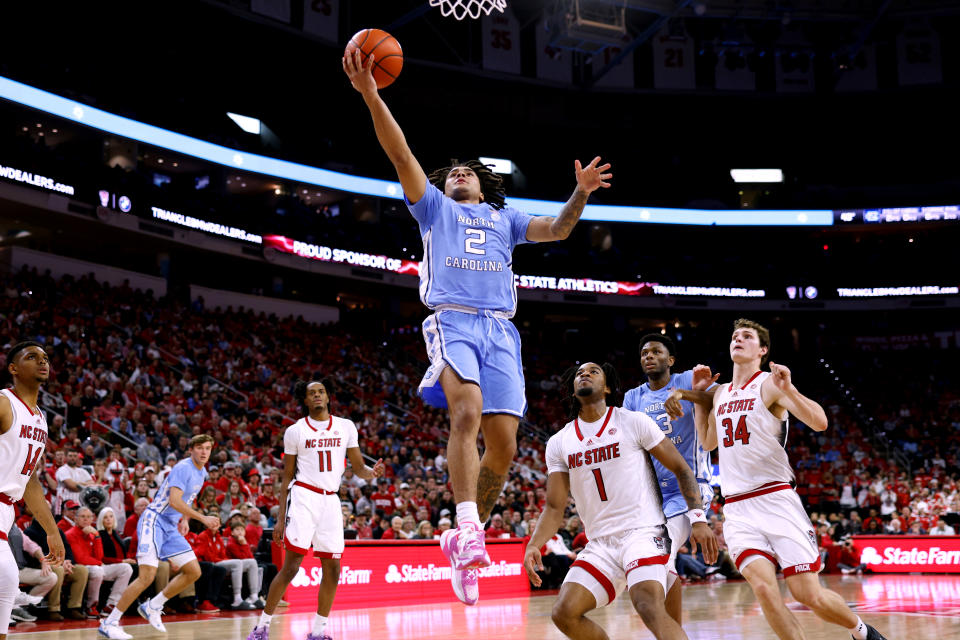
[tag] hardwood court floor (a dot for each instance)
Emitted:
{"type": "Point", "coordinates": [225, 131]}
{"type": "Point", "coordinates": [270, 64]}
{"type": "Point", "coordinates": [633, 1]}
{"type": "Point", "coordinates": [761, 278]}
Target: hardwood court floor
{"type": "Point", "coordinates": [907, 607]}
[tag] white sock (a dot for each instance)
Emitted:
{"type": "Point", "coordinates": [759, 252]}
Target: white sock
{"type": "Point", "coordinates": [467, 512]}
{"type": "Point", "coordinates": [114, 617]}
{"type": "Point", "coordinates": [157, 601]}
{"type": "Point", "coordinates": [264, 620]}
{"type": "Point", "coordinates": [860, 630]}
{"type": "Point", "coordinates": [319, 624]}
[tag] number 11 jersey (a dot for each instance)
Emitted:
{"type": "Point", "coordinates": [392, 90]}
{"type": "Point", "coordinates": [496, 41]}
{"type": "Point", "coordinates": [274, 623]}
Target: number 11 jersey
{"type": "Point", "coordinates": [321, 450]}
{"type": "Point", "coordinates": [611, 477]}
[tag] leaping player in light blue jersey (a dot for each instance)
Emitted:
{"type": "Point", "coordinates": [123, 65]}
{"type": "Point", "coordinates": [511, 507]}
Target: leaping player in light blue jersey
{"type": "Point", "coordinates": [159, 537]}
{"type": "Point", "coordinates": [466, 279]}
{"type": "Point", "coordinates": [657, 355]}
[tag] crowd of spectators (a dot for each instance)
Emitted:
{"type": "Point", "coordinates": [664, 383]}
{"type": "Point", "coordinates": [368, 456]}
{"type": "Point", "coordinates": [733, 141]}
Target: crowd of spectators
{"type": "Point", "coordinates": [133, 378]}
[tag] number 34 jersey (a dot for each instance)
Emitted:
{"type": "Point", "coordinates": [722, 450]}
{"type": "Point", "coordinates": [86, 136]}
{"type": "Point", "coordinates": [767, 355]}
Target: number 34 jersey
{"type": "Point", "coordinates": [21, 447]}
{"type": "Point", "coordinates": [611, 476]}
{"type": "Point", "coordinates": [749, 437]}
{"type": "Point", "coordinates": [321, 450]}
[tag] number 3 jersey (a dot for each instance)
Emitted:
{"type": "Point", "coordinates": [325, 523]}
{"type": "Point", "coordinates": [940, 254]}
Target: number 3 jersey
{"type": "Point", "coordinates": [21, 447]}
{"type": "Point", "coordinates": [749, 437]}
{"type": "Point", "coordinates": [611, 478]}
{"type": "Point", "coordinates": [321, 449]}
{"type": "Point", "coordinates": [467, 252]}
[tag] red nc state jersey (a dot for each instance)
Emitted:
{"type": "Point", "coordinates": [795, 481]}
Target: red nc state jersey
{"type": "Point", "coordinates": [611, 477]}
{"type": "Point", "coordinates": [749, 437]}
{"type": "Point", "coordinates": [321, 450]}
{"type": "Point", "coordinates": [21, 448]}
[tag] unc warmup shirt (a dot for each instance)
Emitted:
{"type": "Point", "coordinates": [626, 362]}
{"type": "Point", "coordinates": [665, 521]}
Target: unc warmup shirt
{"type": "Point", "coordinates": [682, 432]}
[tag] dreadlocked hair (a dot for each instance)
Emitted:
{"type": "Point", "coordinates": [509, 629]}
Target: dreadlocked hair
{"type": "Point", "coordinates": [491, 184]}
{"type": "Point", "coordinates": [570, 400]}
{"type": "Point", "coordinates": [300, 391]}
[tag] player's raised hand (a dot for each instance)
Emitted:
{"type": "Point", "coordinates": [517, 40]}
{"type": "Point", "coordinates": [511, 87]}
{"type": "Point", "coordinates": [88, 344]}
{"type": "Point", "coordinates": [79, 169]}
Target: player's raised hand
{"type": "Point", "coordinates": [701, 534]}
{"type": "Point", "coordinates": [533, 562]}
{"type": "Point", "coordinates": [55, 545]}
{"type": "Point", "coordinates": [672, 404]}
{"type": "Point", "coordinates": [592, 177]}
{"type": "Point", "coordinates": [702, 378]}
{"type": "Point", "coordinates": [360, 72]}
{"type": "Point", "coordinates": [379, 468]}
{"type": "Point", "coordinates": [781, 376]}
{"type": "Point", "coordinates": [210, 522]}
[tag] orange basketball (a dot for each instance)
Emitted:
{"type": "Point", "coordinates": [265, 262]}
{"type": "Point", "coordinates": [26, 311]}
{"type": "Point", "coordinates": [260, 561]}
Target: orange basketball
{"type": "Point", "coordinates": [387, 54]}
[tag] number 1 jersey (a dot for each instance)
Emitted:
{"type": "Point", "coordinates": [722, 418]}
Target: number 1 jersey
{"type": "Point", "coordinates": [468, 252]}
{"type": "Point", "coordinates": [321, 450]}
{"type": "Point", "coordinates": [611, 478]}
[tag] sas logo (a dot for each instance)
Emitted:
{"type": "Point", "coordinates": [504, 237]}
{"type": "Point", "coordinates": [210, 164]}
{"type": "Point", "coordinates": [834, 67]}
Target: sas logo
{"type": "Point", "coordinates": [812, 537]}
{"type": "Point", "coordinates": [657, 540]}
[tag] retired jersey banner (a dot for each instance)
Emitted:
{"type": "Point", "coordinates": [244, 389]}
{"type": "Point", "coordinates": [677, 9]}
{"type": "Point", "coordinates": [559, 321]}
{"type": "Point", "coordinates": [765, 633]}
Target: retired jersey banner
{"type": "Point", "coordinates": [673, 58]}
{"type": "Point", "coordinates": [376, 573]}
{"type": "Point", "coordinates": [501, 42]}
{"type": "Point", "coordinates": [906, 554]}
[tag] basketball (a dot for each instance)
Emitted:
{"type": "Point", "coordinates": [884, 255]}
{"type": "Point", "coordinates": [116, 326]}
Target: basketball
{"type": "Point", "coordinates": [387, 54]}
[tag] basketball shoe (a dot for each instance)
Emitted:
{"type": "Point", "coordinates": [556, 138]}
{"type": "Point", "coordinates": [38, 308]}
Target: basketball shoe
{"type": "Point", "coordinates": [260, 633]}
{"type": "Point", "coordinates": [873, 634]}
{"type": "Point", "coordinates": [152, 616]}
{"type": "Point", "coordinates": [466, 552]}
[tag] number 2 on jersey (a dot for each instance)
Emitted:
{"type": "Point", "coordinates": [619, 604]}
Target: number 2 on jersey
{"type": "Point", "coordinates": [602, 489]}
{"type": "Point", "coordinates": [329, 466]}
{"type": "Point", "coordinates": [741, 433]}
{"type": "Point", "coordinates": [470, 244]}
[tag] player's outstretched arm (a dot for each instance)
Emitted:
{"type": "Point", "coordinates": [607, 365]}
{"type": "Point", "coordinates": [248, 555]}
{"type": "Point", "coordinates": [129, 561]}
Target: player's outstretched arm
{"type": "Point", "coordinates": [412, 178]}
{"type": "Point", "coordinates": [779, 389]}
{"type": "Point", "coordinates": [359, 466]}
{"type": "Point", "coordinates": [40, 508]}
{"type": "Point", "coordinates": [701, 533]}
{"type": "Point", "coordinates": [177, 502]}
{"type": "Point", "coordinates": [558, 488]}
{"type": "Point", "coordinates": [589, 179]}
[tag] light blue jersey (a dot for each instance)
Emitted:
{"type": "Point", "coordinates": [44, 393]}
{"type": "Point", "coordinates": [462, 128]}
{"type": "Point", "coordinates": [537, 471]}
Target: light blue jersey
{"type": "Point", "coordinates": [187, 477]}
{"type": "Point", "coordinates": [468, 252]}
{"type": "Point", "coordinates": [682, 432]}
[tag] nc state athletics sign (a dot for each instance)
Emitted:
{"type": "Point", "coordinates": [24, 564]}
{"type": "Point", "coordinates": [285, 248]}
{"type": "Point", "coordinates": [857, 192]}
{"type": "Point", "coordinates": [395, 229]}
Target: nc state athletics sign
{"type": "Point", "coordinates": [385, 573]}
{"type": "Point", "coordinates": [905, 554]}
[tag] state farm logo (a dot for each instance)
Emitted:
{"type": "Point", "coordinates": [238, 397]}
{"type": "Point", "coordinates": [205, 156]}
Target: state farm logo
{"type": "Point", "coordinates": [437, 573]}
{"type": "Point", "coordinates": [347, 576]}
{"type": "Point", "coordinates": [898, 556]}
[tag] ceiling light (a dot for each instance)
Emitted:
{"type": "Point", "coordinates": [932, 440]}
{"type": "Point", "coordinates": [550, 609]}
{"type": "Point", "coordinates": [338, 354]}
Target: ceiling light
{"type": "Point", "coordinates": [498, 165]}
{"type": "Point", "coordinates": [248, 124]}
{"type": "Point", "coordinates": [757, 175]}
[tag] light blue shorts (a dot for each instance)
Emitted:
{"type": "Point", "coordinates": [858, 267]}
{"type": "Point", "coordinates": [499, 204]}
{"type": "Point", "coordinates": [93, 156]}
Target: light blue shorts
{"type": "Point", "coordinates": [482, 348]}
{"type": "Point", "coordinates": [159, 539]}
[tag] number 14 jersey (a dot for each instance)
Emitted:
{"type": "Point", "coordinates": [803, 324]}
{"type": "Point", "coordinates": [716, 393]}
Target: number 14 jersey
{"type": "Point", "coordinates": [321, 450]}
{"type": "Point", "coordinates": [21, 448]}
{"type": "Point", "coordinates": [611, 477]}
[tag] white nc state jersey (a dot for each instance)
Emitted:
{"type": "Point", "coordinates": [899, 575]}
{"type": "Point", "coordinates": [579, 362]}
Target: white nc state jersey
{"type": "Point", "coordinates": [749, 437]}
{"type": "Point", "coordinates": [611, 477]}
{"type": "Point", "coordinates": [21, 447]}
{"type": "Point", "coordinates": [321, 449]}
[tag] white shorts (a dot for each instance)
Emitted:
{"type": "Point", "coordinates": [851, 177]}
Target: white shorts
{"type": "Point", "coordinates": [678, 528]}
{"type": "Point", "coordinates": [610, 564]}
{"type": "Point", "coordinates": [313, 520]}
{"type": "Point", "coordinates": [770, 523]}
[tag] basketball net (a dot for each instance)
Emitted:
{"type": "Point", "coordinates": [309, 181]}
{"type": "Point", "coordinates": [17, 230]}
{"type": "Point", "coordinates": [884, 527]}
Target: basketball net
{"type": "Point", "coordinates": [461, 9]}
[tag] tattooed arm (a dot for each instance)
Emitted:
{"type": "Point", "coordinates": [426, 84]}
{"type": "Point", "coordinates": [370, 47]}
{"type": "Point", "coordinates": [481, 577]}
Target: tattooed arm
{"type": "Point", "coordinates": [589, 179]}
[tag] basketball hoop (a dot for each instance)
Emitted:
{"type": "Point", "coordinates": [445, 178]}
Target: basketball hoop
{"type": "Point", "coordinates": [461, 9]}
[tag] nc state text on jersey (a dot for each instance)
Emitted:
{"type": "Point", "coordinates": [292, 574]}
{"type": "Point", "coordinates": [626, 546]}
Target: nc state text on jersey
{"type": "Point", "coordinates": [745, 404]}
{"type": "Point", "coordinates": [322, 442]}
{"type": "Point", "coordinates": [593, 456]}
{"type": "Point", "coordinates": [33, 433]}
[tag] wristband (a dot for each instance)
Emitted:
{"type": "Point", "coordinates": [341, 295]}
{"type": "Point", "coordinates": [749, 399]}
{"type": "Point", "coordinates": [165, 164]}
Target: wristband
{"type": "Point", "coordinates": [696, 515]}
